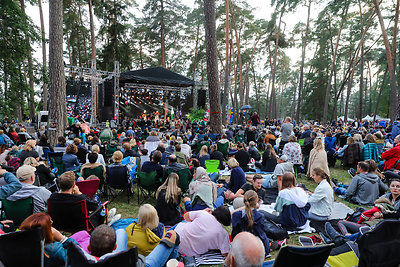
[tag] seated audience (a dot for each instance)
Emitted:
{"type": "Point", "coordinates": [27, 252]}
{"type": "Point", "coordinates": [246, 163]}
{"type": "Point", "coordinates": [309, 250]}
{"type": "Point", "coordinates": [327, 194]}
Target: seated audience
{"type": "Point", "coordinates": [55, 244]}
{"type": "Point", "coordinates": [100, 158]}
{"type": "Point", "coordinates": [365, 187]}
{"type": "Point", "coordinates": [40, 195]}
{"type": "Point", "coordinates": [275, 180]}
{"type": "Point", "coordinates": [181, 157]}
{"type": "Point", "coordinates": [250, 220]}
{"type": "Point", "coordinates": [253, 151]}
{"type": "Point", "coordinates": [42, 172]}
{"type": "Point", "coordinates": [322, 199]}
{"type": "Point", "coordinates": [217, 155]}
{"type": "Point", "coordinates": [12, 184]}
{"type": "Point", "coordinates": [173, 165]}
{"type": "Point", "coordinates": [370, 150]}
{"type": "Point", "coordinates": [144, 156]}
{"type": "Point", "coordinates": [256, 186]}
{"type": "Point", "coordinates": [71, 162]}
{"type": "Point", "coordinates": [237, 179]}
{"type": "Point", "coordinates": [318, 158]}
{"type": "Point", "coordinates": [392, 155]}
{"type": "Point", "coordinates": [246, 250]}
{"type": "Point", "coordinates": [168, 197]}
{"type": "Point", "coordinates": [92, 157]}
{"type": "Point", "coordinates": [154, 164]}
{"type": "Point", "coordinates": [146, 234]}
{"type": "Point", "coordinates": [61, 141]}
{"type": "Point", "coordinates": [243, 157]}
{"type": "Point", "coordinates": [28, 151]}
{"type": "Point", "coordinates": [291, 204]}
{"type": "Point", "coordinates": [203, 192]}
{"type": "Point", "coordinates": [268, 162]}
{"type": "Point", "coordinates": [203, 231]}
{"type": "Point", "coordinates": [116, 166]}
{"type": "Point", "coordinates": [203, 156]}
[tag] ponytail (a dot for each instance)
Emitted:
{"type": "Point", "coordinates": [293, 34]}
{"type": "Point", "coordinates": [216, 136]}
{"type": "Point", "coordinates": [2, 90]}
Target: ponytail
{"type": "Point", "coordinates": [320, 172]}
{"type": "Point", "coordinates": [250, 201]}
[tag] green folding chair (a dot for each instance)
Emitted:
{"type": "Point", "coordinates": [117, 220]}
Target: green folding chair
{"type": "Point", "coordinates": [239, 138]}
{"type": "Point", "coordinates": [147, 183]}
{"type": "Point", "coordinates": [301, 142]}
{"type": "Point", "coordinates": [185, 176]}
{"type": "Point", "coordinates": [17, 211]}
{"type": "Point", "coordinates": [59, 164]}
{"type": "Point", "coordinates": [212, 165]}
{"type": "Point", "coordinates": [223, 148]}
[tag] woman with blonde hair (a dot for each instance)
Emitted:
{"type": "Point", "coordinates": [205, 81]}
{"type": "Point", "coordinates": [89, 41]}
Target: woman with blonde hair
{"type": "Point", "coordinates": [236, 181]}
{"type": "Point", "coordinates": [203, 156]}
{"type": "Point", "coordinates": [250, 220]}
{"type": "Point", "coordinates": [168, 197]}
{"type": "Point", "coordinates": [29, 151]}
{"type": "Point", "coordinates": [318, 158]}
{"type": "Point", "coordinates": [146, 234]}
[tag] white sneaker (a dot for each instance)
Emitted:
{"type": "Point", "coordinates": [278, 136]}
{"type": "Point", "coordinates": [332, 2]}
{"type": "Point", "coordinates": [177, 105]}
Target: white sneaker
{"type": "Point", "coordinates": [112, 212]}
{"type": "Point", "coordinates": [114, 219]}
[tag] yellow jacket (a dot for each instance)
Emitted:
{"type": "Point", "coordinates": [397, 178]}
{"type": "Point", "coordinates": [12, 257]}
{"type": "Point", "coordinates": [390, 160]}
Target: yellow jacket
{"type": "Point", "coordinates": [144, 240]}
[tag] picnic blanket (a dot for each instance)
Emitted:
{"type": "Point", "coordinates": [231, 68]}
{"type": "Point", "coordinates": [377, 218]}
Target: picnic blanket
{"type": "Point", "coordinates": [212, 257]}
{"type": "Point", "coordinates": [339, 211]}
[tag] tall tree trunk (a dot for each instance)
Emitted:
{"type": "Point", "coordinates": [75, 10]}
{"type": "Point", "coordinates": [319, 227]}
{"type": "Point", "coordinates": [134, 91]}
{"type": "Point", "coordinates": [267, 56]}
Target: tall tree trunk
{"type": "Point", "coordinates": [303, 56]}
{"type": "Point", "coordinates": [227, 67]}
{"type": "Point", "coordinates": [361, 91]}
{"type": "Point", "coordinates": [162, 29]}
{"type": "Point", "coordinates": [328, 88]}
{"type": "Point", "coordinates": [393, 88]}
{"type": "Point", "coordinates": [44, 56]}
{"type": "Point", "coordinates": [30, 71]}
{"type": "Point", "coordinates": [212, 66]}
{"type": "Point", "coordinates": [92, 37]}
{"type": "Point", "coordinates": [380, 92]}
{"type": "Point", "coordinates": [58, 111]}
{"type": "Point", "coordinates": [273, 71]}
{"type": "Point", "coordinates": [239, 65]}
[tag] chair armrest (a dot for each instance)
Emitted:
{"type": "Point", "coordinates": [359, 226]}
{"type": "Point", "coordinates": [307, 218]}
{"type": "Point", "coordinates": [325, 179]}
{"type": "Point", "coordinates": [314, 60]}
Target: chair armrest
{"type": "Point", "coordinates": [105, 204]}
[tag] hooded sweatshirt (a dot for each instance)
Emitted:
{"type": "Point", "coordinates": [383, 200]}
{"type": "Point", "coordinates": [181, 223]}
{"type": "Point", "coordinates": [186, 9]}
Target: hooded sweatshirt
{"type": "Point", "coordinates": [292, 205]}
{"type": "Point", "coordinates": [364, 189]}
{"type": "Point", "coordinates": [203, 190]}
{"type": "Point", "coordinates": [39, 194]}
{"type": "Point", "coordinates": [144, 239]}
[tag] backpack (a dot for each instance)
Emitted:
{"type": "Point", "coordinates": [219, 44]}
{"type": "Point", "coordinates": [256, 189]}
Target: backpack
{"type": "Point", "coordinates": [355, 215]}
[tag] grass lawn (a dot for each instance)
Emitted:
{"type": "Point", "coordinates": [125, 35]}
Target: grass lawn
{"type": "Point", "coordinates": [131, 210]}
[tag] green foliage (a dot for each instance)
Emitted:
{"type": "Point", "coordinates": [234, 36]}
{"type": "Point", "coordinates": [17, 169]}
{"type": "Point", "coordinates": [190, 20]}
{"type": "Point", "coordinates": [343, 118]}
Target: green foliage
{"type": "Point", "coordinates": [15, 26]}
{"type": "Point", "coordinates": [196, 114]}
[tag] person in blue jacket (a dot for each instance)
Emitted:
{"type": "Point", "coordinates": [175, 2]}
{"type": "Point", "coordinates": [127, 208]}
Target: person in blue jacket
{"type": "Point", "coordinates": [250, 220]}
{"type": "Point", "coordinates": [12, 186]}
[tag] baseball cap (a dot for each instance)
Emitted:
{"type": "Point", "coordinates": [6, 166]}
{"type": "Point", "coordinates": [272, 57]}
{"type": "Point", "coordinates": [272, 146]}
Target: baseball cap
{"type": "Point", "coordinates": [283, 158]}
{"type": "Point", "coordinates": [25, 172]}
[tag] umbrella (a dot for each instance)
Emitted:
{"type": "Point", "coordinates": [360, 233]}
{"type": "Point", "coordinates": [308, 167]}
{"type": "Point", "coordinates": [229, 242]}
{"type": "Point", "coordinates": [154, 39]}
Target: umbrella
{"type": "Point", "coordinates": [245, 107]}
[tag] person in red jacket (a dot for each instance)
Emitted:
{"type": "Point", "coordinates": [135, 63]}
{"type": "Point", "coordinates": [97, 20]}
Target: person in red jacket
{"type": "Point", "coordinates": [392, 155]}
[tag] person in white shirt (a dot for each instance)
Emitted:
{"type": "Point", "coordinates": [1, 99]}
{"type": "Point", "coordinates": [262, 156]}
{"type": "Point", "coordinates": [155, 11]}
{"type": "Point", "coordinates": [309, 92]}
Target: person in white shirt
{"type": "Point", "coordinates": [322, 199]}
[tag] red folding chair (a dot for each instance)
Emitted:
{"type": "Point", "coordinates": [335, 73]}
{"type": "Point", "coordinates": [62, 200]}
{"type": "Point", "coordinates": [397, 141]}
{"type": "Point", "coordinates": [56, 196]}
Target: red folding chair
{"type": "Point", "coordinates": [88, 187]}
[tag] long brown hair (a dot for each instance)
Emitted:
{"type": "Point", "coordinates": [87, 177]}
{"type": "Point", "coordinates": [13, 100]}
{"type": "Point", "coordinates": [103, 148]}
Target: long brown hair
{"type": "Point", "coordinates": [288, 180]}
{"type": "Point", "coordinates": [250, 201]}
{"type": "Point", "coordinates": [42, 220]}
{"type": "Point", "coordinates": [271, 150]}
{"type": "Point", "coordinates": [320, 172]}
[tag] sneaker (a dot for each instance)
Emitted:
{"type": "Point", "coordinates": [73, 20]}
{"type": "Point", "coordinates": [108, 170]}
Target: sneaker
{"type": "Point", "coordinates": [112, 212]}
{"type": "Point", "coordinates": [324, 238]}
{"type": "Point", "coordinates": [114, 219]}
{"type": "Point", "coordinates": [352, 172]}
{"type": "Point", "coordinates": [330, 231]}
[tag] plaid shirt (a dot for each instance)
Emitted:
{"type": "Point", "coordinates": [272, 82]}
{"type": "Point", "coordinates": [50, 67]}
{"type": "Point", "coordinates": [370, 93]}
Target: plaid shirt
{"type": "Point", "coordinates": [14, 162]}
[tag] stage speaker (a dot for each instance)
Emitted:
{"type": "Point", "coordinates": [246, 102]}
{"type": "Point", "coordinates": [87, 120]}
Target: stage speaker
{"type": "Point", "coordinates": [106, 113]}
{"type": "Point", "coordinates": [201, 99]}
{"type": "Point", "coordinates": [109, 93]}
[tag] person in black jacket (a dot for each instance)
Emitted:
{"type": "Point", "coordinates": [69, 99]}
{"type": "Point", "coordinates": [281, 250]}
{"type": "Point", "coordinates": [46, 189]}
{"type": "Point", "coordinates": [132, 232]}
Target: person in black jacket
{"type": "Point", "coordinates": [215, 154]}
{"type": "Point", "coordinates": [168, 197]}
{"type": "Point", "coordinates": [242, 157]}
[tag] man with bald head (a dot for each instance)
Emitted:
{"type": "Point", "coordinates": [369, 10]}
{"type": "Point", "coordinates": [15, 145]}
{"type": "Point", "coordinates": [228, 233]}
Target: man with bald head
{"type": "Point", "coordinates": [247, 250]}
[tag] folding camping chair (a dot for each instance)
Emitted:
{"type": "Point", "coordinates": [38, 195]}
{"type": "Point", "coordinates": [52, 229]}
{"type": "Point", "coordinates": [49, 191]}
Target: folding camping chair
{"type": "Point", "coordinates": [212, 165]}
{"type": "Point", "coordinates": [88, 187]}
{"type": "Point", "coordinates": [56, 161]}
{"type": "Point", "coordinates": [223, 148]}
{"type": "Point", "coordinates": [147, 184]}
{"type": "Point", "coordinates": [185, 176]}
{"type": "Point", "coordinates": [381, 246]}
{"type": "Point", "coordinates": [77, 257]}
{"type": "Point", "coordinates": [303, 256]}
{"type": "Point", "coordinates": [73, 216]}
{"type": "Point", "coordinates": [22, 248]}
{"type": "Point", "coordinates": [117, 178]}
{"type": "Point", "coordinates": [17, 211]}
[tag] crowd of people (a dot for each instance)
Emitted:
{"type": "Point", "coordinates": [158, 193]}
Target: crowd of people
{"type": "Point", "coordinates": [252, 165]}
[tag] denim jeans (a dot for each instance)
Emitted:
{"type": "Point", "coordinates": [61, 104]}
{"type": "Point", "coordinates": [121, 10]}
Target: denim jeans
{"type": "Point", "coordinates": [158, 257]}
{"type": "Point", "coordinates": [214, 176]}
{"type": "Point", "coordinates": [266, 179]}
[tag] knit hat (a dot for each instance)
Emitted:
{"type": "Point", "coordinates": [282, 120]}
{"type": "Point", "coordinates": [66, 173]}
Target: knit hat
{"type": "Point", "coordinates": [25, 172]}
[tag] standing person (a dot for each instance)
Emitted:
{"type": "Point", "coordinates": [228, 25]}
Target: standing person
{"type": "Point", "coordinates": [322, 199]}
{"type": "Point", "coordinates": [318, 158]}
{"type": "Point", "coordinates": [168, 197]}
{"type": "Point", "coordinates": [286, 130]}
{"type": "Point", "coordinates": [255, 119]}
{"type": "Point", "coordinates": [292, 150]}
{"type": "Point", "coordinates": [250, 220]}
{"type": "Point", "coordinates": [330, 148]}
